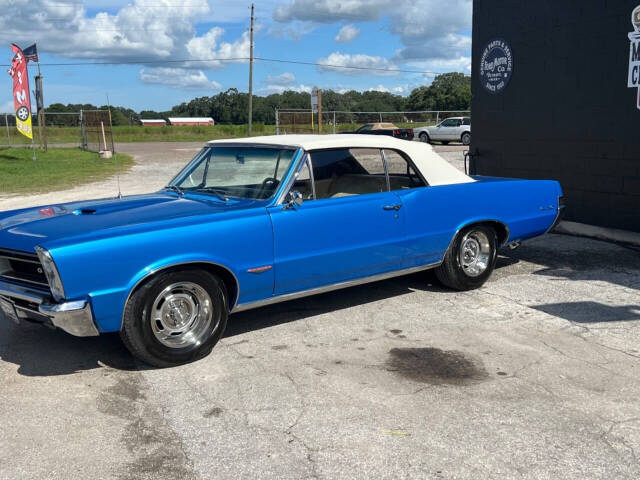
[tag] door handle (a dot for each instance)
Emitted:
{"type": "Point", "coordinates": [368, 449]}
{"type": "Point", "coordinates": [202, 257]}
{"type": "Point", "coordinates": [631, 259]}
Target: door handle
{"type": "Point", "coordinates": [395, 207]}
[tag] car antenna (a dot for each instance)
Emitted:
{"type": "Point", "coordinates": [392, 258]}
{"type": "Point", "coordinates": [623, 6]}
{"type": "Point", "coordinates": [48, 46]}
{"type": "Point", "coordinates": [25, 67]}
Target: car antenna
{"type": "Point", "coordinates": [117, 159]}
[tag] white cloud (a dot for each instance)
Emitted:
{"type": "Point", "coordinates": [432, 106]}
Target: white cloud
{"type": "Point", "coordinates": [178, 77]}
{"type": "Point", "coordinates": [359, 62]}
{"type": "Point", "coordinates": [347, 33]}
{"type": "Point", "coordinates": [142, 30]}
{"type": "Point", "coordinates": [330, 11]}
{"type": "Point", "coordinates": [379, 88]}
{"type": "Point", "coordinates": [284, 79]}
{"type": "Point", "coordinates": [294, 30]}
{"type": "Point", "coordinates": [427, 28]}
{"type": "Point", "coordinates": [269, 89]}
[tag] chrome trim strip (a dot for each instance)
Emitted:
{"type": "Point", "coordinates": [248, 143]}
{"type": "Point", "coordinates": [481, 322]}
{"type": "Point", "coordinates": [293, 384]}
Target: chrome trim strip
{"type": "Point", "coordinates": [20, 279]}
{"type": "Point", "coordinates": [330, 288]}
{"type": "Point", "coordinates": [26, 260]}
{"type": "Point", "coordinates": [22, 293]}
{"type": "Point", "coordinates": [296, 168]}
{"type": "Point", "coordinates": [153, 272]}
{"type": "Point", "coordinates": [557, 219]}
{"type": "Point", "coordinates": [506, 240]}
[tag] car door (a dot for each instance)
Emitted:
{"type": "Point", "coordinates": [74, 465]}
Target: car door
{"type": "Point", "coordinates": [426, 217]}
{"type": "Point", "coordinates": [349, 227]}
{"type": "Point", "coordinates": [447, 130]}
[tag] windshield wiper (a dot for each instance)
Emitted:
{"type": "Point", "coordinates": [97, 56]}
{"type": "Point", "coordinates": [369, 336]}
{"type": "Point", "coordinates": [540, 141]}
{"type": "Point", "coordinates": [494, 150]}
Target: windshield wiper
{"type": "Point", "coordinates": [220, 194]}
{"type": "Point", "coordinates": [175, 188]}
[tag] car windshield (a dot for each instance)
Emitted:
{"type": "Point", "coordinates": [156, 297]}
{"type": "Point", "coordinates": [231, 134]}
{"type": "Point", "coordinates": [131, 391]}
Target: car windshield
{"type": "Point", "coordinates": [235, 172]}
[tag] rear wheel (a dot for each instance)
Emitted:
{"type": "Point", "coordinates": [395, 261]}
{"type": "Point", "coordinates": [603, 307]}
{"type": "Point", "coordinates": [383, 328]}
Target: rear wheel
{"type": "Point", "coordinates": [175, 318]}
{"type": "Point", "coordinates": [469, 262]}
{"type": "Point", "coordinates": [466, 138]}
{"type": "Point", "coordinates": [424, 137]}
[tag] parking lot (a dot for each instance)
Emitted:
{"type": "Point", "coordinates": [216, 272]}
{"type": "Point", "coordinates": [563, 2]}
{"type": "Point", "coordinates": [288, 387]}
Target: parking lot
{"type": "Point", "coordinates": [536, 375]}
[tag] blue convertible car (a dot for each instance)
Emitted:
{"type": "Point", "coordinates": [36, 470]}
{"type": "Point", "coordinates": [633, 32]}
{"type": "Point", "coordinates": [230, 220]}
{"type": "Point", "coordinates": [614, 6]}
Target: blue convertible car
{"type": "Point", "coordinates": [256, 221]}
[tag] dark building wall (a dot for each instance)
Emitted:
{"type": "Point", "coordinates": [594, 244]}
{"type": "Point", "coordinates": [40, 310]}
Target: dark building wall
{"type": "Point", "coordinates": [567, 113]}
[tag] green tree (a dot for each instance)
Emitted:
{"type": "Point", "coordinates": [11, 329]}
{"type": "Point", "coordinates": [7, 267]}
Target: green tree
{"type": "Point", "coordinates": [449, 91]}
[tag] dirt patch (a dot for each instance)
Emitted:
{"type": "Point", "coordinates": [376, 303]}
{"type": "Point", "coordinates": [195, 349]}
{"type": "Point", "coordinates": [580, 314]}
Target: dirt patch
{"type": "Point", "coordinates": [435, 366]}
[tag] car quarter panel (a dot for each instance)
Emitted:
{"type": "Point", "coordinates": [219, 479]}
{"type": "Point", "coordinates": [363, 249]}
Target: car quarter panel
{"type": "Point", "coordinates": [435, 214]}
{"type": "Point", "coordinates": [107, 269]}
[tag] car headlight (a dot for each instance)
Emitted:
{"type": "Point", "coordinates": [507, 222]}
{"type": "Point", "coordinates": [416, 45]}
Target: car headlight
{"type": "Point", "coordinates": [51, 272]}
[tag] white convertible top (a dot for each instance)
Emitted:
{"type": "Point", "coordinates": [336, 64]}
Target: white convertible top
{"type": "Point", "coordinates": [435, 169]}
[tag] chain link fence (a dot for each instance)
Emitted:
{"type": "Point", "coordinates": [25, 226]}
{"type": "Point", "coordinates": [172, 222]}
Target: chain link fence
{"type": "Point", "coordinates": [304, 121]}
{"type": "Point", "coordinates": [83, 129]}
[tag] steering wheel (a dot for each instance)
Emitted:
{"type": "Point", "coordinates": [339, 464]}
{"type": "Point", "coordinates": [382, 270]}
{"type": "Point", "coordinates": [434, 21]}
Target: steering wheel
{"type": "Point", "coordinates": [269, 180]}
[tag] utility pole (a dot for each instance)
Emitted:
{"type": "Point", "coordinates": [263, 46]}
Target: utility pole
{"type": "Point", "coordinates": [251, 73]}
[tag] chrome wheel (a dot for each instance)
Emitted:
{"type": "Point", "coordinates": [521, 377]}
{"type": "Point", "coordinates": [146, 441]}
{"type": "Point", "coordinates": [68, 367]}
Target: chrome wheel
{"type": "Point", "coordinates": [475, 253]}
{"type": "Point", "coordinates": [181, 315]}
{"type": "Point", "coordinates": [466, 139]}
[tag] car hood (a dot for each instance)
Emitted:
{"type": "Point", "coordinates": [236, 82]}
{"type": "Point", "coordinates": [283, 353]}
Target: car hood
{"type": "Point", "coordinates": [27, 228]}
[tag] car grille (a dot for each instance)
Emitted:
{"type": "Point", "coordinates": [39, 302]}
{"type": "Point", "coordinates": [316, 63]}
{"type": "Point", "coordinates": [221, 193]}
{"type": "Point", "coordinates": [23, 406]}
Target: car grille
{"type": "Point", "coordinates": [22, 267]}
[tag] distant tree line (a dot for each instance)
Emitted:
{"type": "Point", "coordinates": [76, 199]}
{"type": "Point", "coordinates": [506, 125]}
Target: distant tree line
{"type": "Point", "coordinates": [449, 91]}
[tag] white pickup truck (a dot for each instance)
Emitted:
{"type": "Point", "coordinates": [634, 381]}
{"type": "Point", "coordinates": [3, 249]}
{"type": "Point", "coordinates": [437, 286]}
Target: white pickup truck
{"type": "Point", "coordinates": [454, 129]}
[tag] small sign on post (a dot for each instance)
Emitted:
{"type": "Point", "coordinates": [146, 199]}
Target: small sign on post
{"type": "Point", "coordinates": [314, 100]}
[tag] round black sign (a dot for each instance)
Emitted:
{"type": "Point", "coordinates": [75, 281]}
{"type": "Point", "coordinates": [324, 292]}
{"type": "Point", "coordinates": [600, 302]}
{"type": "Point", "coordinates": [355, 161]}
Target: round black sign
{"type": "Point", "coordinates": [23, 113]}
{"type": "Point", "coordinates": [496, 65]}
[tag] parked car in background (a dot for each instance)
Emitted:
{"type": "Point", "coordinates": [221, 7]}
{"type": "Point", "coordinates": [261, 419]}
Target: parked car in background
{"type": "Point", "coordinates": [254, 221]}
{"type": "Point", "coordinates": [454, 129]}
{"type": "Point", "coordinates": [385, 129]}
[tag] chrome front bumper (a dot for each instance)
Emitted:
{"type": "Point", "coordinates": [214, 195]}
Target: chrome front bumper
{"type": "Point", "coordinates": [30, 304]}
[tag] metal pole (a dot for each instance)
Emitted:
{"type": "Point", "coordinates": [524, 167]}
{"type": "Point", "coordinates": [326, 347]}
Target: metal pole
{"type": "Point", "coordinates": [6, 122]}
{"type": "Point", "coordinates": [277, 122]}
{"type": "Point", "coordinates": [334, 122]}
{"type": "Point", "coordinates": [319, 112]}
{"type": "Point", "coordinates": [437, 118]}
{"type": "Point", "coordinates": [380, 113]}
{"type": "Point", "coordinates": [251, 74]}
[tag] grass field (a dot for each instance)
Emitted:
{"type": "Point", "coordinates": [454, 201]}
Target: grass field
{"type": "Point", "coordinates": [57, 169]}
{"type": "Point", "coordinates": [124, 134]}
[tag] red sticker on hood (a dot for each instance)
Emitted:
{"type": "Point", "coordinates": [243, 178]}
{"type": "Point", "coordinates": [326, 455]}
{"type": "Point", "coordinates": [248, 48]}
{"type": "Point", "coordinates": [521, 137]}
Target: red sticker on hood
{"type": "Point", "coordinates": [47, 212]}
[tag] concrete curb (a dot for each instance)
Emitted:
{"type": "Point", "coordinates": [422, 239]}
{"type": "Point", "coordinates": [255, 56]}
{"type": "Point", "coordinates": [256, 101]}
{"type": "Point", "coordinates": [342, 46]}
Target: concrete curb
{"type": "Point", "coordinates": [601, 233]}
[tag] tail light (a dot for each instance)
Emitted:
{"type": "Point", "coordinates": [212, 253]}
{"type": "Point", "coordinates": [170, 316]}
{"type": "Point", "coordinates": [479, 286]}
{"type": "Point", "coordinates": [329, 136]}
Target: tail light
{"type": "Point", "coordinates": [411, 131]}
{"type": "Point", "coordinates": [396, 132]}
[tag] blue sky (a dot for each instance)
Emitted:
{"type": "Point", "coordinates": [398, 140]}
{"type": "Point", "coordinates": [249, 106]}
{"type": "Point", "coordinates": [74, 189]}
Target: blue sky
{"type": "Point", "coordinates": [423, 35]}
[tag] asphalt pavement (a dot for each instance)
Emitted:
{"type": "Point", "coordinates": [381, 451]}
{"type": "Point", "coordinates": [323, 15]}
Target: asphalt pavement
{"type": "Point", "coordinates": [534, 376]}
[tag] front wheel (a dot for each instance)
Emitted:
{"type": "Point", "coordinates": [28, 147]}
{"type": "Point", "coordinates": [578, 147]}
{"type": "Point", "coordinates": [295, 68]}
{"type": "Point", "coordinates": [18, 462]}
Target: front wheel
{"type": "Point", "coordinates": [424, 137]}
{"type": "Point", "coordinates": [466, 138]}
{"type": "Point", "coordinates": [175, 318]}
{"type": "Point", "coordinates": [469, 262]}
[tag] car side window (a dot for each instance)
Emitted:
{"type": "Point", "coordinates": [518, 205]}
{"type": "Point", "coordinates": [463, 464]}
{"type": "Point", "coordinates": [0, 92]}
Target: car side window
{"type": "Point", "coordinates": [447, 123]}
{"type": "Point", "coordinates": [466, 121]}
{"type": "Point", "coordinates": [348, 171]}
{"type": "Point", "coordinates": [402, 174]}
{"type": "Point", "coordinates": [365, 128]}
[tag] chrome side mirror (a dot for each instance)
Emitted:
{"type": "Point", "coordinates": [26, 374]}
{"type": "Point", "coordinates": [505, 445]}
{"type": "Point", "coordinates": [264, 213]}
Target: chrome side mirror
{"type": "Point", "coordinates": [295, 199]}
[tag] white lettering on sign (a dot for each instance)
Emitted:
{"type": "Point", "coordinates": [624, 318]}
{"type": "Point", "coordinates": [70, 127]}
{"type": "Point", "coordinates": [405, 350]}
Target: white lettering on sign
{"type": "Point", "coordinates": [633, 80]}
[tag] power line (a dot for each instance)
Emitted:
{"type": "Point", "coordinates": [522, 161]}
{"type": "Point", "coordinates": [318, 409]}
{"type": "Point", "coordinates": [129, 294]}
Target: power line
{"type": "Point", "coordinates": [236, 59]}
{"type": "Point", "coordinates": [352, 67]}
